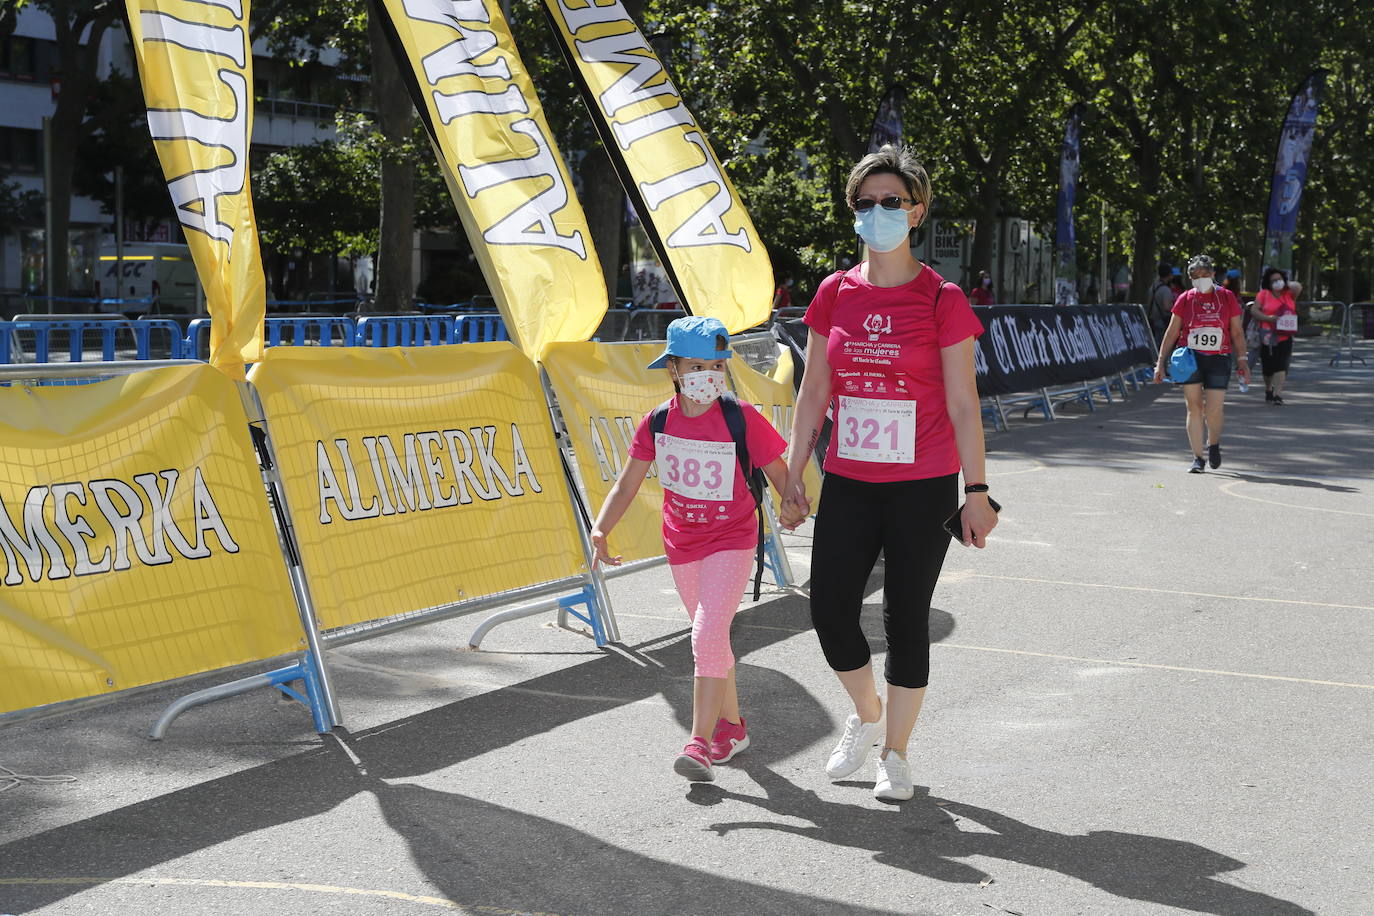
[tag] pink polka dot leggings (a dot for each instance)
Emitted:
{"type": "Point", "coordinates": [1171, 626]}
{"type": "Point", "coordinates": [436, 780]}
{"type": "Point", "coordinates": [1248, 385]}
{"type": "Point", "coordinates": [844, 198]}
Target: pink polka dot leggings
{"type": "Point", "coordinates": [711, 589]}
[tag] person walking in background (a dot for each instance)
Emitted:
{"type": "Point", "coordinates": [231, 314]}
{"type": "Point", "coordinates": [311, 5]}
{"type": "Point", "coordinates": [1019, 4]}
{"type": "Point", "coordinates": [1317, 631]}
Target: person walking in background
{"type": "Point", "coordinates": [1206, 320]}
{"type": "Point", "coordinates": [891, 345]}
{"type": "Point", "coordinates": [1161, 301]}
{"type": "Point", "coordinates": [1232, 283]}
{"type": "Point", "coordinates": [782, 295]}
{"type": "Point", "coordinates": [1176, 286]}
{"type": "Point", "coordinates": [982, 294]}
{"type": "Point", "coordinates": [709, 531]}
{"type": "Point", "coordinates": [1276, 310]}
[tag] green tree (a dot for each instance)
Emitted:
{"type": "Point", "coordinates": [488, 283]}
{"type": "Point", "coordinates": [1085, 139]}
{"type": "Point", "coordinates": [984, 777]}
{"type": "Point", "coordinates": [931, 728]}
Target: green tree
{"type": "Point", "coordinates": [322, 198]}
{"type": "Point", "coordinates": [79, 27]}
{"type": "Point", "coordinates": [301, 30]}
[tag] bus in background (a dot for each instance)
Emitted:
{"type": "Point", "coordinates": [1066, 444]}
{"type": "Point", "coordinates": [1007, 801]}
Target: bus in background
{"type": "Point", "coordinates": [156, 277]}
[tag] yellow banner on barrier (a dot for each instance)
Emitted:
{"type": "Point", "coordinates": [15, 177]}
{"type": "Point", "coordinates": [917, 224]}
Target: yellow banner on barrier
{"type": "Point", "coordinates": [417, 477]}
{"type": "Point", "coordinates": [136, 542]}
{"type": "Point", "coordinates": [196, 64]}
{"type": "Point", "coordinates": [775, 397]}
{"type": "Point", "coordinates": [710, 249]}
{"type": "Point", "coordinates": [504, 172]}
{"type": "Point", "coordinates": [604, 391]}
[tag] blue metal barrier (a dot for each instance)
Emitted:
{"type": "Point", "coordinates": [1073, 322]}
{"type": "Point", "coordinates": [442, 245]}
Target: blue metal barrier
{"type": "Point", "coordinates": [480, 328]}
{"type": "Point", "coordinates": [312, 330]}
{"type": "Point", "coordinates": [77, 329]}
{"type": "Point", "coordinates": [406, 330]}
{"type": "Point", "coordinates": [318, 330]}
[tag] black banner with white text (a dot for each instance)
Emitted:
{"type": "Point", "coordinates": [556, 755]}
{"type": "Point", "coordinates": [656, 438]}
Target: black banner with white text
{"type": "Point", "coordinates": [1025, 347]}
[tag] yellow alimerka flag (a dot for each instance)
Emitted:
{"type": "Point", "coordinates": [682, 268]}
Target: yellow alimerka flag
{"type": "Point", "coordinates": [700, 230]}
{"type": "Point", "coordinates": [503, 170]}
{"type": "Point", "coordinates": [417, 478]}
{"type": "Point", "coordinates": [136, 541]}
{"type": "Point", "coordinates": [603, 392]}
{"type": "Point", "coordinates": [196, 64]}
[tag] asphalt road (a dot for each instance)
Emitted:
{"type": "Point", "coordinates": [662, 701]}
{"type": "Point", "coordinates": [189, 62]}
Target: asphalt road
{"type": "Point", "coordinates": [1153, 693]}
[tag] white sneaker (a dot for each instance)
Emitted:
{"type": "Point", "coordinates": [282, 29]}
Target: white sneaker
{"type": "Point", "coordinates": [858, 739]}
{"type": "Point", "coordinates": [894, 778]}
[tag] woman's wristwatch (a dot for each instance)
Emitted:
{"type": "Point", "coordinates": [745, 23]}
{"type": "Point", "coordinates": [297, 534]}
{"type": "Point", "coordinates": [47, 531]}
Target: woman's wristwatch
{"type": "Point", "coordinates": [975, 488]}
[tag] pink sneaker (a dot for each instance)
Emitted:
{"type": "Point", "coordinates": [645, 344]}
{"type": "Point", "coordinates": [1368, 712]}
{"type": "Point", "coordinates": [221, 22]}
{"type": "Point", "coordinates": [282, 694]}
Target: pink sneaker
{"type": "Point", "coordinates": [729, 739]}
{"type": "Point", "coordinates": [695, 761]}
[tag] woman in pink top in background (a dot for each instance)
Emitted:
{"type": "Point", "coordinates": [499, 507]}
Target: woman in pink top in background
{"type": "Point", "coordinates": [709, 528]}
{"type": "Point", "coordinates": [891, 348]}
{"type": "Point", "coordinates": [1276, 309]}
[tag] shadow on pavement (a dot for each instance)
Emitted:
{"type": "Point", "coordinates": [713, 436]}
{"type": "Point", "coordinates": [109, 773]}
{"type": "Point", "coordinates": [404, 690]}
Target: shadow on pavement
{"type": "Point", "coordinates": [487, 855]}
{"type": "Point", "coordinates": [930, 843]}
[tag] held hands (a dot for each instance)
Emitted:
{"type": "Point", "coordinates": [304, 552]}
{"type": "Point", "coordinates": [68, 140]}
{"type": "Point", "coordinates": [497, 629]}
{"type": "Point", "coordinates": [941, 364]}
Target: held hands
{"type": "Point", "coordinates": [1159, 374]}
{"type": "Point", "coordinates": [795, 505]}
{"type": "Point", "coordinates": [979, 520]}
{"type": "Point", "coordinates": [603, 553]}
{"type": "Point", "coordinates": [1243, 370]}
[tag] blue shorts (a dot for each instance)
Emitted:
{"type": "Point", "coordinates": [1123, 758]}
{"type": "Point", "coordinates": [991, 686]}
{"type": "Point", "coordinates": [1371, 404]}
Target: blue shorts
{"type": "Point", "coordinates": [1213, 371]}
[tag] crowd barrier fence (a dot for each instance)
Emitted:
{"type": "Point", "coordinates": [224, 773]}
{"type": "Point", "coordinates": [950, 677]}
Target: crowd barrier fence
{"type": "Point", "coordinates": [46, 335]}
{"type": "Point", "coordinates": [131, 621]}
{"type": "Point", "coordinates": [402, 521]}
{"type": "Point", "coordinates": [1345, 346]}
{"type": "Point", "coordinates": [1048, 398]}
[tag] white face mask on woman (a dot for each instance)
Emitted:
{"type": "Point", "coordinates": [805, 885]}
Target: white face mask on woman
{"type": "Point", "coordinates": [703, 387]}
{"type": "Point", "coordinates": [1278, 284]}
{"type": "Point", "coordinates": [1202, 284]}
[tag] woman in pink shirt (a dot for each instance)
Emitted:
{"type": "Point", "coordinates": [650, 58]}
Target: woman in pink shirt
{"type": "Point", "coordinates": [1206, 320]}
{"type": "Point", "coordinates": [1276, 309]}
{"type": "Point", "coordinates": [891, 349]}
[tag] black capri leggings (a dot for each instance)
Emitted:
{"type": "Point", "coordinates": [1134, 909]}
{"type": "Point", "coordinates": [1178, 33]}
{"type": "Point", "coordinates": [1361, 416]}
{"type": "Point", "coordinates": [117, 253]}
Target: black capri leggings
{"type": "Point", "coordinates": [855, 522]}
{"type": "Point", "coordinates": [1276, 358]}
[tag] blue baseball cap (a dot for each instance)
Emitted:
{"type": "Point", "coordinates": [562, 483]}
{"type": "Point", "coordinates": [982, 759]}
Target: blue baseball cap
{"type": "Point", "coordinates": [1233, 273]}
{"type": "Point", "coordinates": [695, 337]}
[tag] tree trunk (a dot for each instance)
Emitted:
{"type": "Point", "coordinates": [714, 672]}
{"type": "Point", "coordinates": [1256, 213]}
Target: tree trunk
{"type": "Point", "coordinates": [395, 114]}
{"type": "Point", "coordinates": [1143, 262]}
{"type": "Point", "coordinates": [1145, 258]}
{"type": "Point", "coordinates": [603, 201]}
{"type": "Point", "coordinates": [988, 215]}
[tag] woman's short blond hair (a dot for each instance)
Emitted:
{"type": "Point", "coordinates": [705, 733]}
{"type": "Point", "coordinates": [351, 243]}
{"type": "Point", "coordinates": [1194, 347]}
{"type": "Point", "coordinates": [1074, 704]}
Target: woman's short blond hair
{"type": "Point", "coordinates": [892, 160]}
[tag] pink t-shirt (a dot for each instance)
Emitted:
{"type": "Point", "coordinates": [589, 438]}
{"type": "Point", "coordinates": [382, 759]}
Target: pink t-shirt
{"type": "Point", "coordinates": [1207, 312]}
{"type": "Point", "coordinates": [1274, 306]}
{"type": "Point", "coordinates": [693, 467]}
{"type": "Point", "coordinates": [886, 377]}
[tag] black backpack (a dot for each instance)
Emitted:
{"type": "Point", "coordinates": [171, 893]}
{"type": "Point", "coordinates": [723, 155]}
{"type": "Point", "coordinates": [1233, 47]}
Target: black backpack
{"type": "Point", "coordinates": [753, 476]}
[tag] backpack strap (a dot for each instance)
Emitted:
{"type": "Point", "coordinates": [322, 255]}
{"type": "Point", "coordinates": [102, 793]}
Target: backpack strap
{"type": "Point", "coordinates": [659, 418]}
{"type": "Point", "coordinates": [753, 476]}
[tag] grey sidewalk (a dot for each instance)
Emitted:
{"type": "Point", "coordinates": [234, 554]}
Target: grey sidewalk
{"type": "Point", "coordinates": [1151, 694]}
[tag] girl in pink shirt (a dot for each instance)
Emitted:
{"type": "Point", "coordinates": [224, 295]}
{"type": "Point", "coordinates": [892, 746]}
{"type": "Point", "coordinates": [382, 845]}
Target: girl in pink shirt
{"type": "Point", "coordinates": [709, 528]}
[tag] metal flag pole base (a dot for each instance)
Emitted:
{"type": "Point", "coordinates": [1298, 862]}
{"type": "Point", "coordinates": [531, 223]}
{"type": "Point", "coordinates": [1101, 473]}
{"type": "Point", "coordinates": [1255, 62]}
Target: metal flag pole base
{"type": "Point", "coordinates": [303, 670]}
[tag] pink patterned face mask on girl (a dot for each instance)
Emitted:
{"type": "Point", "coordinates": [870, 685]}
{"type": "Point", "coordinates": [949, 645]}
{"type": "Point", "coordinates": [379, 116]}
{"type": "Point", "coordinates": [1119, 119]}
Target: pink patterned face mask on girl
{"type": "Point", "coordinates": [703, 387]}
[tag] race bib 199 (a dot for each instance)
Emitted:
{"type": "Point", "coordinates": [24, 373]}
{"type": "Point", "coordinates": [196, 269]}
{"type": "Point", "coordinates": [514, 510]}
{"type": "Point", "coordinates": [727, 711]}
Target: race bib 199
{"type": "Point", "coordinates": [881, 431]}
{"type": "Point", "coordinates": [696, 469]}
{"type": "Point", "coordinates": [1207, 340]}
{"type": "Point", "coordinates": [1288, 323]}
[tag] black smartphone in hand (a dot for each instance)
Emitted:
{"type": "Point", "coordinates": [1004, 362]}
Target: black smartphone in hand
{"type": "Point", "coordinates": [955, 523]}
